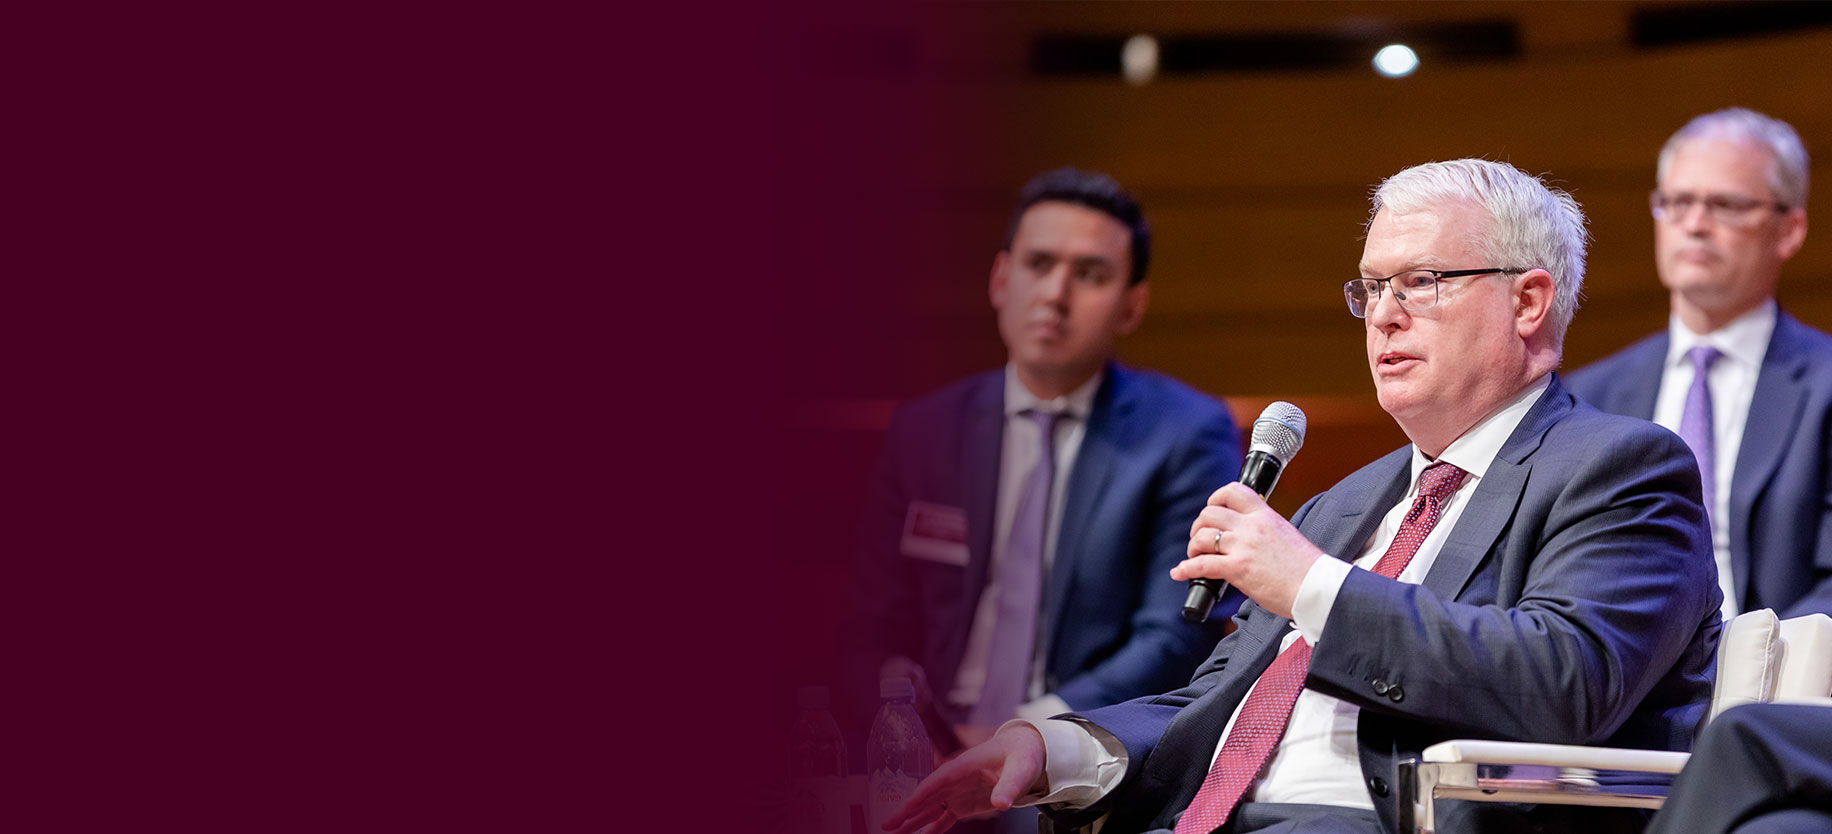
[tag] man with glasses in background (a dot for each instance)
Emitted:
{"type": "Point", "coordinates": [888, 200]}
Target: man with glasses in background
{"type": "Point", "coordinates": [1528, 568]}
{"type": "Point", "coordinates": [1748, 386]}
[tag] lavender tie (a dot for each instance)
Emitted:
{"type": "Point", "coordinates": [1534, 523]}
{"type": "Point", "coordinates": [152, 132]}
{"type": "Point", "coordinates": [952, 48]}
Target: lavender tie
{"type": "Point", "coordinates": [1014, 634]}
{"type": "Point", "coordinates": [1695, 421]}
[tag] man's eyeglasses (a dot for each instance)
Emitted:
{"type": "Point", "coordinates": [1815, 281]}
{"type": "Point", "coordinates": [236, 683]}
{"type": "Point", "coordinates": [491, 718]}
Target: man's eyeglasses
{"type": "Point", "coordinates": [1414, 289]}
{"type": "Point", "coordinates": [1726, 209]}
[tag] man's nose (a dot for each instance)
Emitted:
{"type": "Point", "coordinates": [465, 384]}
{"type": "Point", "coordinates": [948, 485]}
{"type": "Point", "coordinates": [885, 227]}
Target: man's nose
{"type": "Point", "coordinates": [1054, 285]}
{"type": "Point", "coordinates": [1384, 310]}
{"type": "Point", "coordinates": [1694, 217]}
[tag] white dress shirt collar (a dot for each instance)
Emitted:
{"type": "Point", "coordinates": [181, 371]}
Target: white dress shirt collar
{"type": "Point", "coordinates": [1744, 339]}
{"type": "Point", "coordinates": [1077, 403]}
{"type": "Point", "coordinates": [1476, 448]}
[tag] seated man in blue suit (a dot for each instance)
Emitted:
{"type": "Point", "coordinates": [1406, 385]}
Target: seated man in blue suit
{"type": "Point", "coordinates": [1010, 580]}
{"type": "Point", "coordinates": [1730, 209]}
{"type": "Point", "coordinates": [1528, 568]}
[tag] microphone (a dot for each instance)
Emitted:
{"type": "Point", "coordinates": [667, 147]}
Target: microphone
{"type": "Point", "coordinates": [1277, 436]}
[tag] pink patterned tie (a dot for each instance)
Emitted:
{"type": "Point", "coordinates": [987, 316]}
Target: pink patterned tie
{"type": "Point", "coordinates": [1263, 717]}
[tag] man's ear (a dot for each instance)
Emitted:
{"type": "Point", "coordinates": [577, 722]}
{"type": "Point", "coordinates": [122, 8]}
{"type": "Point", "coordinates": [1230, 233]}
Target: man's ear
{"type": "Point", "coordinates": [1138, 297]}
{"type": "Point", "coordinates": [1001, 273]}
{"type": "Point", "coordinates": [1793, 233]}
{"type": "Point", "coordinates": [1533, 294]}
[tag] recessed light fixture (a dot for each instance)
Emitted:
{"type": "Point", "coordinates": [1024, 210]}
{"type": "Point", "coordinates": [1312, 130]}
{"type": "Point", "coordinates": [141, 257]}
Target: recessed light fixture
{"type": "Point", "coordinates": [1395, 60]}
{"type": "Point", "coordinates": [1139, 59]}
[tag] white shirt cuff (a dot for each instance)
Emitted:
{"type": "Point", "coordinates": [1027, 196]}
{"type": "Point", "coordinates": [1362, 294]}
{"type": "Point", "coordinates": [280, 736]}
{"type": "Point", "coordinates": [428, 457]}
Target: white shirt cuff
{"type": "Point", "coordinates": [1317, 595]}
{"type": "Point", "coordinates": [1082, 762]}
{"type": "Point", "coordinates": [1045, 707]}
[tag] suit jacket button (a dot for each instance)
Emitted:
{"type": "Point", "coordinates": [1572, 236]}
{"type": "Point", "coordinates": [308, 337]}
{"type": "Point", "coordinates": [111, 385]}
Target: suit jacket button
{"type": "Point", "coordinates": [1380, 687]}
{"type": "Point", "coordinates": [1378, 786]}
{"type": "Point", "coordinates": [1395, 693]}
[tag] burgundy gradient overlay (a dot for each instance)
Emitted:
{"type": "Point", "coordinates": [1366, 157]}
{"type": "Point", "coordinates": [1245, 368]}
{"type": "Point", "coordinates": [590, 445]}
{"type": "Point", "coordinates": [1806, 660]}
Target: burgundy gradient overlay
{"type": "Point", "coordinates": [463, 412]}
{"type": "Point", "coordinates": [892, 188]}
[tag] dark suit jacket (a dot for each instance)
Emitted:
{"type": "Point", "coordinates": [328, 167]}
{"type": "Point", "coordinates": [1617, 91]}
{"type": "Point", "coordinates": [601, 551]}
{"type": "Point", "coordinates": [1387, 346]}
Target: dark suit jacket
{"type": "Point", "coordinates": [1574, 602]}
{"type": "Point", "coordinates": [1754, 762]}
{"type": "Point", "coordinates": [1780, 513]}
{"type": "Point", "coordinates": [1153, 451]}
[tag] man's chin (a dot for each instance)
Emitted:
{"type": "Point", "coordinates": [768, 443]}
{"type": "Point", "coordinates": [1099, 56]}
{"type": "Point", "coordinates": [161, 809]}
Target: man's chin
{"type": "Point", "coordinates": [1041, 364]}
{"type": "Point", "coordinates": [1393, 399]}
{"type": "Point", "coordinates": [1692, 280]}
{"type": "Point", "coordinates": [1056, 368]}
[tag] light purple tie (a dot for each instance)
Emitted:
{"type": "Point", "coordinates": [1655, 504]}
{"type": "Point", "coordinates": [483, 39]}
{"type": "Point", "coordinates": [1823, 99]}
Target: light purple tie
{"type": "Point", "coordinates": [1014, 634]}
{"type": "Point", "coordinates": [1695, 421]}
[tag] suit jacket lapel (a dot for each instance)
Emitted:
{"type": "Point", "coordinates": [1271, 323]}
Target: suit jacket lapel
{"type": "Point", "coordinates": [982, 446]}
{"type": "Point", "coordinates": [1341, 527]}
{"type": "Point", "coordinates": [1094, 464]}
{"type": "Point", "coordinates": [1182, 760]}
{"type": "Point", "coordinates": [1497, 495]}
{"type": "Point", "coordinates": [1641, 387]}
{"type": "Point", "coordinates": [1775, 410]}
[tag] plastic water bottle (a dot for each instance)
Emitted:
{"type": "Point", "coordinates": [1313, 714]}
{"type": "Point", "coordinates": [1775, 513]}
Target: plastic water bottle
{"type": "Point", "coordinates": [897, 755]}
{"type": "Point", "coordinates": [817, 764]}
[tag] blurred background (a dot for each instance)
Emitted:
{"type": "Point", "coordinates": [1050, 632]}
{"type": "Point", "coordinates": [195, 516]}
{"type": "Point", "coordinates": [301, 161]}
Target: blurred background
{"type": "Point", "coordinates": [1252, 132]}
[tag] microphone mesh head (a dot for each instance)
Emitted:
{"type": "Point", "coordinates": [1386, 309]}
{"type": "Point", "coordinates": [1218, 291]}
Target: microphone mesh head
{"type": "Point", "coordinates": [1279, 431]}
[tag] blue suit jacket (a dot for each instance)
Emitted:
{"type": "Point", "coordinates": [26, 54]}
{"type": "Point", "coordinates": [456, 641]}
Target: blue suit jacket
{"type": "Point", "coordinates": [1755, 765]}
{"type": "Point", "coordinates": [1574, 602]}
{"type": "Point", "coordinates": [1781, 489]}
{"type": "Point", "coordinates": [1153, 451]}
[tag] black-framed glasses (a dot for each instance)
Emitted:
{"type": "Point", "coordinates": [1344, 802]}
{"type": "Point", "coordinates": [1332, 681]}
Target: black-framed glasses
{"type": "Point", "coordinates": [1726, 209]}
{"type": "Point", "coordinates": [1414, 289]}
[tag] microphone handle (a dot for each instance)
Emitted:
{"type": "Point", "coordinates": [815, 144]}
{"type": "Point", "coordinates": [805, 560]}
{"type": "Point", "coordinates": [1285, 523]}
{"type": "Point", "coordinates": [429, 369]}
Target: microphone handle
{"type": "Point", "coordinates": [1259, 473]}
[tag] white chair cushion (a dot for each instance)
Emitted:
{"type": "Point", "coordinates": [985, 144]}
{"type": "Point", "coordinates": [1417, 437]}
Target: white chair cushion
{"type": "Point", "coordinates": [1748, 653]}
{"type": "Point", "coordinates": [1806, 658]}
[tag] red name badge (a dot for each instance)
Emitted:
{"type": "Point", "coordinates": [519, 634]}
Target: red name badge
{"type": "Point", "coordinates": [935, 532]}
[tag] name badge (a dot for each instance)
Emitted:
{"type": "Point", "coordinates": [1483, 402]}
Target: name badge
{"type": "Point", "coordinates": [935, 533]}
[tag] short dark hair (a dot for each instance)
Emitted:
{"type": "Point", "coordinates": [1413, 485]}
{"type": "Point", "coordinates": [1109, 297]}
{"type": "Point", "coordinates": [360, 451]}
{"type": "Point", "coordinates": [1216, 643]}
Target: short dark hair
{"type": "Point", "coordinates": [1096, 191]}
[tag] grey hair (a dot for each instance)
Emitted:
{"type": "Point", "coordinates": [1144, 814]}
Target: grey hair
{"type": "Point", "coordinates": [1789, 166]}
{"type": "Point", "coordinates": [1531, 224]}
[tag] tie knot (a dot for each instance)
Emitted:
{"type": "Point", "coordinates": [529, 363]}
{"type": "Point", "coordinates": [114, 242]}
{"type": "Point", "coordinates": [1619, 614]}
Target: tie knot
{"type": "Point", "coordinates": [1439, 480]}
{"type": "Point", "coordinates": [1045, 420]}
{"type": "Point", "coordinates": [1703, 356]}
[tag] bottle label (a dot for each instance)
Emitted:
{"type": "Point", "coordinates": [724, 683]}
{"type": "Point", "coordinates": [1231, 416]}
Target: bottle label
{"type": "Point", "coordinates": [885, 792]}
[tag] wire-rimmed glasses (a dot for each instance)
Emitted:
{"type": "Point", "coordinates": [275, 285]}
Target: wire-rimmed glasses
{"type": "Point", "coordinates": [1725, 209]}
{"type": "Point", "coordinates": [1414, 289]}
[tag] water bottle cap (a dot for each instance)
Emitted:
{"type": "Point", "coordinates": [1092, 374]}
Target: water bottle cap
{"type": "Point", "coordinates": [812, 697]}
{"type": "Point", "coordinates": [896, 688]}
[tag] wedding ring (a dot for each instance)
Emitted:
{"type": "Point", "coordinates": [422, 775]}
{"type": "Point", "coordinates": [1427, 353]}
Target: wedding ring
{"type": "Point", "coordinates": [1217, 541]}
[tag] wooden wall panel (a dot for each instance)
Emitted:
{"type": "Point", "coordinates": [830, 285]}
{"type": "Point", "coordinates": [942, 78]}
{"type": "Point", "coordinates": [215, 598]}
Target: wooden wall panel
{"type": "Point", "coordinates": [1256, 185]}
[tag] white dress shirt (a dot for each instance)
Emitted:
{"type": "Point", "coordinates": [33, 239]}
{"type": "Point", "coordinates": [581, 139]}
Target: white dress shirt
{"type": "Point", "coordinates": [1020, 450]}
{"type": "Point", "coordinates": [1317, 760]}
{"type": "Point", "coordinates": [1744, 342]}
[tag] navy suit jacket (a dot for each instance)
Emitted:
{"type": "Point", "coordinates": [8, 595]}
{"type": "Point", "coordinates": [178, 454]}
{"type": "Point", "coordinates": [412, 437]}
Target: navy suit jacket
{"type": "Point", "coordinates": [1756, 765]}
{"type": "Point", "coordinates": [1780, 512]}
{"type": "Point", "coordinates": [1574, 602]}
{"type": "Point", "coordinates": [1152, 453]}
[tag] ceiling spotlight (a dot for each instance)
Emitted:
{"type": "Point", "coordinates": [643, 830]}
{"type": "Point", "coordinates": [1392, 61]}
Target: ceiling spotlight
{"type": "Point", "coordinates": [1396, 60]}
{"type": "Point", "coordinates": [1139, 59]}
